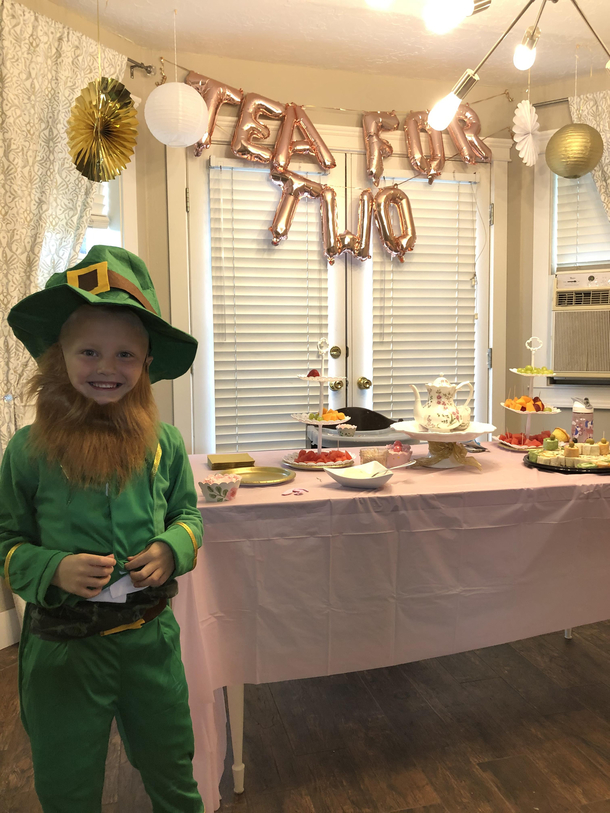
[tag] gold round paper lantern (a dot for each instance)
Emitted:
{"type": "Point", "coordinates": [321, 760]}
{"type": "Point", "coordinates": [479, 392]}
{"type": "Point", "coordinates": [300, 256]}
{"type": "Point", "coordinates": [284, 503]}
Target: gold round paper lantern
{"type": "Point", "coordinates": [102, 129]}
{"type": "Point", "coordinates": [574, 150]}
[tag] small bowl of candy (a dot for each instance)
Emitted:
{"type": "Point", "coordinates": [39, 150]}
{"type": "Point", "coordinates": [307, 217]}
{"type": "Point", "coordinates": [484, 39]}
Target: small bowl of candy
{"type": "Point", "coordinates": [347, 430]}
{"type": "Point", "coordinates": [220, 487]}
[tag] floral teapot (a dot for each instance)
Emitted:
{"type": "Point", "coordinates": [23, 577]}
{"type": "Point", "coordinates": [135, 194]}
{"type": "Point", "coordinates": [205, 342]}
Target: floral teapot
{"type": "Point", "coordinates": [441, 414]}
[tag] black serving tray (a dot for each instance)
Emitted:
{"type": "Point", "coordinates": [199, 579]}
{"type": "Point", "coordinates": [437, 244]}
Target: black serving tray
{"type": "Point", "coordinates": [561, 469]}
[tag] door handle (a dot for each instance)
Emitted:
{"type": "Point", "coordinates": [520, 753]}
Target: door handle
{"type": "Point", "coordinates": [336, 385]}
{"type": "Point", "coordinates": [364, 383]}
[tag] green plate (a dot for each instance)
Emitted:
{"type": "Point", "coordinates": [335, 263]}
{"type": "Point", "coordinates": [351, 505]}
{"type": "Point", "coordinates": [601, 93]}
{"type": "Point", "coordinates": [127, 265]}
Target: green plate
{"type": "Point", "coordinates": [262, 475]}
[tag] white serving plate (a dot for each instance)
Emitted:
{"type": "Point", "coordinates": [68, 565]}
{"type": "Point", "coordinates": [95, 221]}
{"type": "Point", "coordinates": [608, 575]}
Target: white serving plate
{"type": "Point", "coordinates": [553, 411]}
{"type": "Point", "coordinates": [368, 475]}
{"type": "Point", "coordinates": [531, 375]}
{"type": "Point", "coordinates": [322, 379]}
{"type": "Point", "coordinates": [303, 417]}
{"type": "Point", "coordinates": [413, 429]}
{"type": "Point", "coordinates": [290, 459]}
{"type": "Point", "coordinates": [506, 445]}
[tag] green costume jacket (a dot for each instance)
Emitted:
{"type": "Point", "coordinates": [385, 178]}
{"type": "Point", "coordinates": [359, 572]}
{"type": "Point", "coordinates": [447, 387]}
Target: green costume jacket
{"type": "Point", "coordinates": [44, 518]}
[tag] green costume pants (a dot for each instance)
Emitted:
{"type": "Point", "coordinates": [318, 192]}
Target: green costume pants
{"type": "Point", "coordinates": [70, 692]}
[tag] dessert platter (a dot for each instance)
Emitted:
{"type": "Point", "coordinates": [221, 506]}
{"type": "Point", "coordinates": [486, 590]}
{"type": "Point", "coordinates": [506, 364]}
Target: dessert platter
{"type": "Point", "coordinates": [310, 459]}
{"type": "Point", "coordinates": [570, 458]}
{"type": "Point", "coordinates": [528, 405]}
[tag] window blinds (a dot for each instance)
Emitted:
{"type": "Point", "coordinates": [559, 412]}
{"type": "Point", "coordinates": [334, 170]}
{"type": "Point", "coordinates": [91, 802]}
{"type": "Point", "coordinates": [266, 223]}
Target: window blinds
{"type": "Point", "coordinates": [270, 310]}
{"type": "Point", "coordinates": [424, 309]}
{"type": "Point", "coordinates": [99, 218]}
{"type": "Point", "coordinates": [582, 228]}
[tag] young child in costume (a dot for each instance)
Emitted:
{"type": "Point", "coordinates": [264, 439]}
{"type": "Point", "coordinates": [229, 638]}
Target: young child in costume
{"type": "Point", "coordinates": [98, 516]}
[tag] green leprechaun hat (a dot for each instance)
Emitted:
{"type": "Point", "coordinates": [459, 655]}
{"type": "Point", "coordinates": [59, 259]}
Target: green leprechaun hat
{"type": "Point", "coordinates": [107, 276]}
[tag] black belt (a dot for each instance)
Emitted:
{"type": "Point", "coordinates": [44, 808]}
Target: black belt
{"type": "Point", "coordinates": [151, 613]}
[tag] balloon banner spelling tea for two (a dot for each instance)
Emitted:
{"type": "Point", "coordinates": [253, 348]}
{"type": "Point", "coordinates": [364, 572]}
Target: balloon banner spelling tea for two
{"type": "Point", "coordinates": [389, 207]}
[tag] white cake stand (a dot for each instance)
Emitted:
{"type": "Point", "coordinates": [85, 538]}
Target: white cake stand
{"type": "Point", "coordinates": [414, 430]}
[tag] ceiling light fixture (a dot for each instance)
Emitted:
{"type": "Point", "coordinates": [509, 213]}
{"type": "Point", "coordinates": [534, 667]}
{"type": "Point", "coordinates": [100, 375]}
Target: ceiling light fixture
{"type": "Point", "coordinates": [441, 16]}
{"type": "Point", "coordinates": [442, 113]}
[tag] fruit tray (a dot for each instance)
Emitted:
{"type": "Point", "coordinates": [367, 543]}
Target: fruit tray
{"type": "Point", "coordinates": [551, 411]}
{"type": "Point", "coordinates": [290, 460]}
{"type": "Point", "coordinates": [303, 417]}
{"type": "Point", "coordinates": [512, 446]}
{"type": "Point", "coordinates": [544, 373]}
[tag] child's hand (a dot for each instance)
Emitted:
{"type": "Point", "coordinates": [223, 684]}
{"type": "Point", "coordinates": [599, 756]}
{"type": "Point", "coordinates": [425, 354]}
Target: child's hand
{"type": "Point", "coordinates": [84, 574]}
{"type": "Point", "coordinates": [156, 563]}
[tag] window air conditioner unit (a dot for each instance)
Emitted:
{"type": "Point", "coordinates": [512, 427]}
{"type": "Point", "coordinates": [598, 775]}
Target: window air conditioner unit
{"type": "Point", "coordinates": [581, 324]}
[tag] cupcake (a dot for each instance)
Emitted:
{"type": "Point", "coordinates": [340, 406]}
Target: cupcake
{"type": "Point", "coordinates": [398, 454]}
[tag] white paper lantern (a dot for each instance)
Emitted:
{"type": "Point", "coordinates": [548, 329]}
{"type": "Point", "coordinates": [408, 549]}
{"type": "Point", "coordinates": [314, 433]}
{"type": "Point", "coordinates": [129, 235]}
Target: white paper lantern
{"type": "Point", "coordinates": [176, 114]}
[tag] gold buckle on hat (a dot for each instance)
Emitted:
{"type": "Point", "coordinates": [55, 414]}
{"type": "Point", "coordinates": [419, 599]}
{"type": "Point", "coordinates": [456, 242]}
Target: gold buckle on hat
{"type": "Point", "coordinates": [92, 278]}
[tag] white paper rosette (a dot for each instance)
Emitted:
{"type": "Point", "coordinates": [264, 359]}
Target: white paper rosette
{"type": "Point", "coordinates": [525, 129]}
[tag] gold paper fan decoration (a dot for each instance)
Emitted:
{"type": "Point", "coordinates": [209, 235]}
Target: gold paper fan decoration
{"type": "Point", "coordinates": [102, 129]}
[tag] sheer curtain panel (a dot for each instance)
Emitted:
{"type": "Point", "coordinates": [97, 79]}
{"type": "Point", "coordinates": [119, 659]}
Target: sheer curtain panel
{"type": "Point", "coordinates": [594, 109]}
{"type": "Point", "coordinates": [45, 204]}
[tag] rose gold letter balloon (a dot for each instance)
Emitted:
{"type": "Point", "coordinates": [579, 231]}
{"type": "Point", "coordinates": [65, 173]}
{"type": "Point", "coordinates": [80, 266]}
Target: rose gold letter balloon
{"type": "Point", "coordinates": [215, 94]}
{"type": "Point", "coordinates": [464, 130]}
{"type": "Point", "coordinates": [396, 244]}
{"type": "Point", "coordinates": [250, 128]}
{"type": "Point", "coordinates": [286, 145]}
{"type": "Point", "coordinates": [294, 187]}
{"type": "Point", "coordinates": [377, 148]}
{"type": "Point", "coordinates": [415, 124]}
{"type": "Point", "coordinates": [337, 244]}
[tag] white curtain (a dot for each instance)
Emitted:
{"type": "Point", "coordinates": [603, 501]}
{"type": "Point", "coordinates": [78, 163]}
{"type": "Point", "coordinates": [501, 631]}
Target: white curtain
{"type": "Point", "coordinates": [594, 110]}
{"type": "Point", "coordinates": [44, 202]}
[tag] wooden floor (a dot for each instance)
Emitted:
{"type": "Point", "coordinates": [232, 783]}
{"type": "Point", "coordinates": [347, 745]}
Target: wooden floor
{"type": "Point", "coordinates": [521, 727]}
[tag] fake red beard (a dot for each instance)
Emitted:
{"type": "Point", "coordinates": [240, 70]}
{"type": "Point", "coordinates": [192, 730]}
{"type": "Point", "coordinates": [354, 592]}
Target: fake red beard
{"type": "Point", "coordinates": [94, 444]}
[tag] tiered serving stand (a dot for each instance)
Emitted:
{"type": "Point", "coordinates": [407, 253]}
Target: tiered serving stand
{"type": "Point", "coordinates": [303, 417]}
{"type": "Point", "coordinates": [533, 345]}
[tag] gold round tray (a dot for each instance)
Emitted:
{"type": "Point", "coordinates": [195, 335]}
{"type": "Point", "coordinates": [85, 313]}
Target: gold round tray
{"type": "Point", "coordinates": [262, 475]}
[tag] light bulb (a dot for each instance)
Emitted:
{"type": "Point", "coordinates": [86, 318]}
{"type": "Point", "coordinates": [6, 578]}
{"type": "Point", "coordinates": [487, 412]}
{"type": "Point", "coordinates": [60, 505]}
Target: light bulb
{"type": "Point", "coordinates": [525, 54]}
{"type": "Point", "coordinates": [441, 16]}
{"type": "Point", "coordinates": [443, 112]}
{"type": "Point", "coordinates": [524, 57]}
{"type": "Point", "coordinates": [380, 4]}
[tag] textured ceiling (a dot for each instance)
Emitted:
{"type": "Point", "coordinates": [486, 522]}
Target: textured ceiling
{"type": "Point", "coordinates": [349, 35]}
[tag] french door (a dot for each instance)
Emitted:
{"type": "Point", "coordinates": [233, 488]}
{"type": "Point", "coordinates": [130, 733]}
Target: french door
{"type": "Point", "coordinates": [258, 310]}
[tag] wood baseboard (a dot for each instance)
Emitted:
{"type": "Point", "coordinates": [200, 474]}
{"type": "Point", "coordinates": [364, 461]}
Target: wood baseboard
{"type": "Point", "coordinates": [10, 628]}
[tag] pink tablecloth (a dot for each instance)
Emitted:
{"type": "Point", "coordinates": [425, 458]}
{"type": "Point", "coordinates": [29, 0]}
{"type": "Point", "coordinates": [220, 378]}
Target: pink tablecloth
{"type": "Point", "coordinates": [338, 580]}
